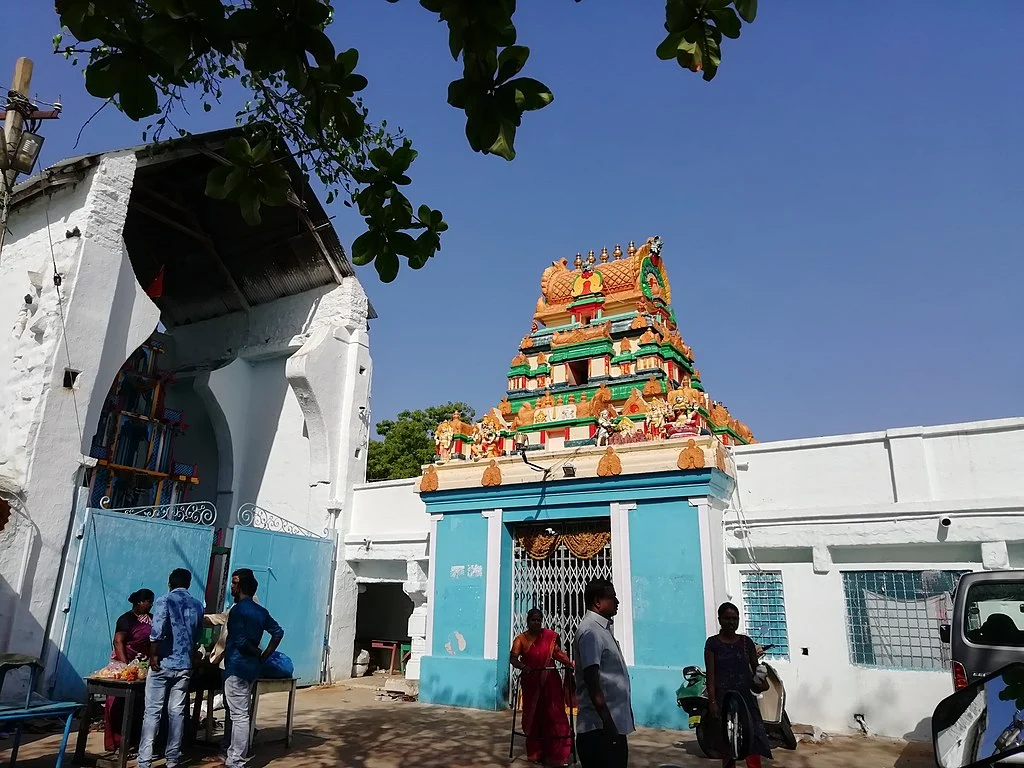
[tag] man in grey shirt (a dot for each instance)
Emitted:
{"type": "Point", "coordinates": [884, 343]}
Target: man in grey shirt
{"type": "Point", "coordinates": [605, 716]}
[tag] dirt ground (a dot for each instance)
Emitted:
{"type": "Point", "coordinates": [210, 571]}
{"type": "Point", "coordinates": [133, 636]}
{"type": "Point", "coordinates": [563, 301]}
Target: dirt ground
{"type": "Point", "coordinates": [345, 726]}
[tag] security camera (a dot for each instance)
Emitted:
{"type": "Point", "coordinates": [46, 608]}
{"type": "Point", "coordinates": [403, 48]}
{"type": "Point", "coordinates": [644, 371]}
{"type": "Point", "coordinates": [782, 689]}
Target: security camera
{"type": "Point", "coordinates": [945, 522]}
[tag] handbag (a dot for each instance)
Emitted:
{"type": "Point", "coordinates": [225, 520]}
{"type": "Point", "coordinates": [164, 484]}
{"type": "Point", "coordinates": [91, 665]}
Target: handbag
{"type": "Point", "coordinates": [754, 685]}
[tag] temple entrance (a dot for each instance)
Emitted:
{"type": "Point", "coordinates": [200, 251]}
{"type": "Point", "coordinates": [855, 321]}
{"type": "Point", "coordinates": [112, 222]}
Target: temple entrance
{"type": "Point", "coordinates": [551, 565]}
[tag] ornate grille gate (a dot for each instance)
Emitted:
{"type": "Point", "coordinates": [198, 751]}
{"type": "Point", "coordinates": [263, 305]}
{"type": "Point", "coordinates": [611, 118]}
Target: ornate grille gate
{"type": "Point", "coordinates": [555, 583]}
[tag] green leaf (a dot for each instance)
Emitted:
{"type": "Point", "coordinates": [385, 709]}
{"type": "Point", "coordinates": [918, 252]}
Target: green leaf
{"type": "Point", "coordinates": [137, 97]}
{"type": "Point", "coordinates": [223, 181]}
{"type": "Point", "coordinates": [503, 146]}
{"type": "Point", "coordinates": [531, 94]}
{"type": "Point", "coordinates": [103, 77]}
{"type": "Point", "coordinates": [457, 93]}
{"type": "Point", "coordinates": [381, 158]}
{"type": "Point", "coordinates": [238, 150]}
{"type": "Point", "coordinates": [386, 264]}
{"type": "Point", "coordinates": [365, 247]}
{"type": "Point", "coordinates": [747, 10]}
{"type": "Point", "coordinates": [403, 243]}
{"type": "Point", "coordinates": [249, 205]}
{"type": "Point", "coordinates": [483, 125]}
{"type": "Point", "coordinates": [347, 60]}
{"type": "Point", "coordinates": [511, 62]}
{"type": "Point", "coordinates": [727, 21]}
{"type": "Point", "coordinates": [669, 47]}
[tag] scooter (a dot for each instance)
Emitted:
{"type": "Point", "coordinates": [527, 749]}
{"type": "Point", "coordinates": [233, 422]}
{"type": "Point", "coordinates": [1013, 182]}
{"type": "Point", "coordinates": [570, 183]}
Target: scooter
{"type": "Point", "coordinates": [691, 697]}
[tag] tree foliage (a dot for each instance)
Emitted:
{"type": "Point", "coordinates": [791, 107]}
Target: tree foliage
{"type": "Point", "coordinates": [150, 56]}
{"type": "Point", "coordinates": [408, 441]}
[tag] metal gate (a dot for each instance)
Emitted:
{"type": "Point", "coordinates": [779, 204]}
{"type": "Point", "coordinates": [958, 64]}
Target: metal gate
{"type": "Point", "coordinates": [295, 570]}
{"type": "Point", "coordinates": [119, 551]}
{"type": "Point", "coordinates": [547, 575]}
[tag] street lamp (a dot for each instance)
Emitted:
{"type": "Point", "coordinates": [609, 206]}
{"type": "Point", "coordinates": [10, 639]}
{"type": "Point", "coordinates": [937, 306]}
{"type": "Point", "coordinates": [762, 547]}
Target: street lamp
{"type": "Point", "coordinates": [24, 157]}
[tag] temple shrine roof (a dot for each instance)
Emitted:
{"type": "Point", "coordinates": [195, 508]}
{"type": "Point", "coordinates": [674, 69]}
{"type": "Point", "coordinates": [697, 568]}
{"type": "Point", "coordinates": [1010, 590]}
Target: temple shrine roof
{"type": "Point", "coordinates": [603, 365]}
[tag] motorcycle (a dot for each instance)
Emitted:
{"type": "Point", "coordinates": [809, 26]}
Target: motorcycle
{"type": "Point", "coordinates": [691, 697]}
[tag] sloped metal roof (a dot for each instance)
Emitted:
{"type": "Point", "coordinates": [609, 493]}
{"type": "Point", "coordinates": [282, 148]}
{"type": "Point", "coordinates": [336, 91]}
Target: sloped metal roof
{"type": "Point", "coordinates": [213, 262]}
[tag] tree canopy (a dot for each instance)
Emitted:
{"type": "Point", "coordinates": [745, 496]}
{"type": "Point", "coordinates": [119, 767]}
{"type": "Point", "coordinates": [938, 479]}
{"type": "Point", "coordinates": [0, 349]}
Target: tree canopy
{"type": "Point", "coordinates": [408, 441]}
{"type": "Point", "coordinates": [149, 57]}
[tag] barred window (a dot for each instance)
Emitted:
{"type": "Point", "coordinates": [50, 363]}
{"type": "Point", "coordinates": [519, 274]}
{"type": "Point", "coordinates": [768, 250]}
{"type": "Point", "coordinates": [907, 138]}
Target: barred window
{"type": "Point", "coordinates": [764, 611]}
{"type": "Point", "coordinates": [893, 617]}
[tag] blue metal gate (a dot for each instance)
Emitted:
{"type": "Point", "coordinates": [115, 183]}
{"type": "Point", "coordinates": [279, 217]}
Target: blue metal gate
{"type": "Point", "coordinates": [121, 551]}
{"type": "Point", "coordinates": [294, 568]}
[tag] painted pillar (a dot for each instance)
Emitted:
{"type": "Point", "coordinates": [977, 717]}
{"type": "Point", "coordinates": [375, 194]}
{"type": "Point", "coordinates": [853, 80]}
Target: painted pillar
{"type": "Point", "coordinates": [667, 605]}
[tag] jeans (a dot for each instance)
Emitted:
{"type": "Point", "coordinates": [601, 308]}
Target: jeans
{"type": "Point", "coordinates": [237, 699]}
{"type": "Point", "coordinates": [595, 751]}
{"type": "Point", "coordinates": [168, 686]}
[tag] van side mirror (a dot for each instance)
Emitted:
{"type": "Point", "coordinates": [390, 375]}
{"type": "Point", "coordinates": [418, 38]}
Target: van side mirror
{"type": "Point", "coordinates": [944, 633]}
{"type": "Point", "coordinates": [982, 723]}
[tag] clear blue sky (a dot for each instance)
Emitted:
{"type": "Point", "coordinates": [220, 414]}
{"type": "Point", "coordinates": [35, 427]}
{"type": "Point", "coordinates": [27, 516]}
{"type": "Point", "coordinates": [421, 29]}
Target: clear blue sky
{"type": "Point", "coordinates": [841, 207]}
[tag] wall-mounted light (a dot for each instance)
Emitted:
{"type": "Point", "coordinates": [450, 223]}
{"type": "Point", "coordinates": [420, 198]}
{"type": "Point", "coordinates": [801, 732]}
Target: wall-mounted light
{"type": "Point", "coordinates": [27, 152]}
{"type": "Point", "coordinates": [568, 470]}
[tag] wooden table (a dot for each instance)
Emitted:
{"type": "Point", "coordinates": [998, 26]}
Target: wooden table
{"type": "Point", "coordinates": [388, 645]}
{"type": "Point", "coordinates": [134, 694]}
{"type": "Point", "coordinates": [268, 685]}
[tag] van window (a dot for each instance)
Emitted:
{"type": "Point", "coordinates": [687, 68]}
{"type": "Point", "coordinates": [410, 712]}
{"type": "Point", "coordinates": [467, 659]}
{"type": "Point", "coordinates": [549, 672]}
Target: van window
{"type": "Point", "coordinates": [994, 614]}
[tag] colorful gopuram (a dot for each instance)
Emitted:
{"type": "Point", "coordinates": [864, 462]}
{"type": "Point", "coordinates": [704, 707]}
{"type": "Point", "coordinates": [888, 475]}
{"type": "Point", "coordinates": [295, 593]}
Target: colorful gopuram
{"type": "Point", "coordinates": [604, 364]}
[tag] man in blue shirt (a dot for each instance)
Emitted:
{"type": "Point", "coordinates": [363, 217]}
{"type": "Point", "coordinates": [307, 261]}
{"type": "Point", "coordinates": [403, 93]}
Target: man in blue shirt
{"type": "Point", "coordinates": [177, 622]}
{"type": "Point", "coordinates": [243, 658]}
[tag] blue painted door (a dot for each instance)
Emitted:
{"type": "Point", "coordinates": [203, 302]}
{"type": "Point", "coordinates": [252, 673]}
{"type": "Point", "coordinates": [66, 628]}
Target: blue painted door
{"type": "Point", "coordinates": [119, 554]}
{"type": "Point", "coordinates": [294, 575]}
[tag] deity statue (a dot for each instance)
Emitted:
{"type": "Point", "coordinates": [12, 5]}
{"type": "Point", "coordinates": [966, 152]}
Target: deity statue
{"type": "Point", "coordinates": [657, 418]}
{"type": "Point", "coordinates": [546, 400]}
{"type": "Point", "coordinates": [486, 440]}
{"type": "Point", "coordinates": [605, 426]}
{"type": "Point", "coordinates": [444, 437]}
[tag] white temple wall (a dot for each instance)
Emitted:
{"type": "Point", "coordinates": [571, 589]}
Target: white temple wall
{"type": "Point", "coordinates": [811, 510]}
{"type": "Point", "coordinates": [47, 428]}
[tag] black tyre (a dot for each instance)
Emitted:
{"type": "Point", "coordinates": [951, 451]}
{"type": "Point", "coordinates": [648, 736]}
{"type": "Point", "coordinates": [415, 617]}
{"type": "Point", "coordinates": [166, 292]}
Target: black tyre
{"type": "Point", "coordinates": [735, 726]}
{"type": "Point", "coordinates": [706, 740]}
{"type": "Point", "coordinates": [786, 732]}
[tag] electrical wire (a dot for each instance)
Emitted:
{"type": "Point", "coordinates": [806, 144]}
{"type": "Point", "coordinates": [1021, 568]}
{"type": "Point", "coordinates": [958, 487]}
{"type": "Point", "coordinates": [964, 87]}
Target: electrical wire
{"type": "Point", "coordinates": [57, 280]}
{"type": "Point", "coordinates": [744, 528]}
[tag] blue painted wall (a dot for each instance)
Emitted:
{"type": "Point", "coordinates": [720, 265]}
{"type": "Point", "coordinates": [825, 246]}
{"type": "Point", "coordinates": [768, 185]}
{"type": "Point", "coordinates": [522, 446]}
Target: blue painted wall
{"type": "Point", "coordinates": [119, 554]}
{"type": "Point", "coordinates": [294, 575]}
{"type": "Point", "coordinates": [668, 606]}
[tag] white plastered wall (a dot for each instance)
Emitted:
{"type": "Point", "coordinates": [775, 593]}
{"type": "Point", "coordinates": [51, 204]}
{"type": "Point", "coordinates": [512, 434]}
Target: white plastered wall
{"type": "Point", "coordinates": [47, 428]}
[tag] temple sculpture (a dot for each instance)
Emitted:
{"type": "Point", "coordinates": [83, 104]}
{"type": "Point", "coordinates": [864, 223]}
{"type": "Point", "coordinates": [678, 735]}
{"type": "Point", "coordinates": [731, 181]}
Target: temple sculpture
{"type": "Point", "coordinates": [604, 364]}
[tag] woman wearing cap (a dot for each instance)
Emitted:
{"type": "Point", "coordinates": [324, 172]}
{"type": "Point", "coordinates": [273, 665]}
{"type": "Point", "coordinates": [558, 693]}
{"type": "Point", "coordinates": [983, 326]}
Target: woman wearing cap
{"type": "Point", "coordinates": [131, 641]}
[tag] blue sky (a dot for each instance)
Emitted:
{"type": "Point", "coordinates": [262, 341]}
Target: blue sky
{"type": "Point", "coordinates": [841, 207]}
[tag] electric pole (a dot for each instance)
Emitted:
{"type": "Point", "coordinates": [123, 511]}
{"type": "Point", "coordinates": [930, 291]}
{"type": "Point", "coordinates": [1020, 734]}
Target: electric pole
{"type": "Point", "coordinates": [20, 147]}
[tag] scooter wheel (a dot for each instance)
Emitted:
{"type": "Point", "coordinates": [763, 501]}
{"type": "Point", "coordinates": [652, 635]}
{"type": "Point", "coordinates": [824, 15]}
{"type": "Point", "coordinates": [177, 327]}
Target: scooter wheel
{"type": "Point", "coordinates": [786, 732]}
{"type": "Point", "coordinates": [706, 741]}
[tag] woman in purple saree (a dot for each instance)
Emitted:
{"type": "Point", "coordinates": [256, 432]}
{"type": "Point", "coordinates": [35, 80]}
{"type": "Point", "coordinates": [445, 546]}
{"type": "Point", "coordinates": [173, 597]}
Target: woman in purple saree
{"type": "Point", "coordinates": [131, 641]}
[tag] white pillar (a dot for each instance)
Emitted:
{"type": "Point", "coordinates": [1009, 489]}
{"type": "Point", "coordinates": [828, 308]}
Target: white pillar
{"type": "Point", "coordinates": [493, 583]}
{"type": "Point", "coordinates": [432, 549]}
{"type": "Point", "coordinates": [622, 577]}
{"type": "Point", "coordinates": [415, 587]}
{"type": "Point", "coordinates": [712, 558]}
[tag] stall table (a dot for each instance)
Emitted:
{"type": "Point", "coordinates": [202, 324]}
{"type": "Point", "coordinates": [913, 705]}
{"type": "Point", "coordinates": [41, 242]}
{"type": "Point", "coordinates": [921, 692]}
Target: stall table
{"type": "Point", "coordinates": [269, 685]}
{"type": "Point", "coordinates": [134, 694]}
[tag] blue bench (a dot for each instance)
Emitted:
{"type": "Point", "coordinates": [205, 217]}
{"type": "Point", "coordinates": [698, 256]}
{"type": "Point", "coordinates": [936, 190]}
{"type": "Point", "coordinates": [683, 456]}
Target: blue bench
{"type": "Point", "coordinates": [19, 712]}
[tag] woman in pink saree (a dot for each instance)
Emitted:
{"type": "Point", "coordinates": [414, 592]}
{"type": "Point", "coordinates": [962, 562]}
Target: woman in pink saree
{"type": "Point", "coordinates": [544, 695]}
{"type": "Point", "coordinates": [131, 641]}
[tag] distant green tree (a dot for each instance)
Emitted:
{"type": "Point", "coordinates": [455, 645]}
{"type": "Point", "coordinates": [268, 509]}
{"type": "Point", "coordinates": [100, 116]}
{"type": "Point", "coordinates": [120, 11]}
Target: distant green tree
{"type": "Point", "coordinates": [408, 441]}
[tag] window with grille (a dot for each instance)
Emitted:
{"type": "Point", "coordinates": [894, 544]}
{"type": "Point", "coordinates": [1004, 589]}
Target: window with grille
{"type": "Point", "coordinates": [764, 611]}
{"type": "Point", "coordinates": [893, 617]}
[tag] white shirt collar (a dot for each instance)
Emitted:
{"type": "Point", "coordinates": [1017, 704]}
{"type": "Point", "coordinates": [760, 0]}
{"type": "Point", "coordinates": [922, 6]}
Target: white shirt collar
{"type": "Point", "coordinates": [597, 617]}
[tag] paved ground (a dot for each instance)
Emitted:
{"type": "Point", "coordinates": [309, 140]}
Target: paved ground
{"type": "Point", "coordinates": [345, 726]}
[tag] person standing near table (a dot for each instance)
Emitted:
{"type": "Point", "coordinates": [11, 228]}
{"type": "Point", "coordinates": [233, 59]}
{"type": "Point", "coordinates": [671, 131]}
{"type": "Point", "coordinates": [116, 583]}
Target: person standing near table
{"type": "Point", "coordinates": [176, 625]}
{"type": "Point", "coordinates": [605, 716]}
{"type": "Point", "coordinates": [131, 641]}
{"type": "Point", "coordinates": [243, 658]}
